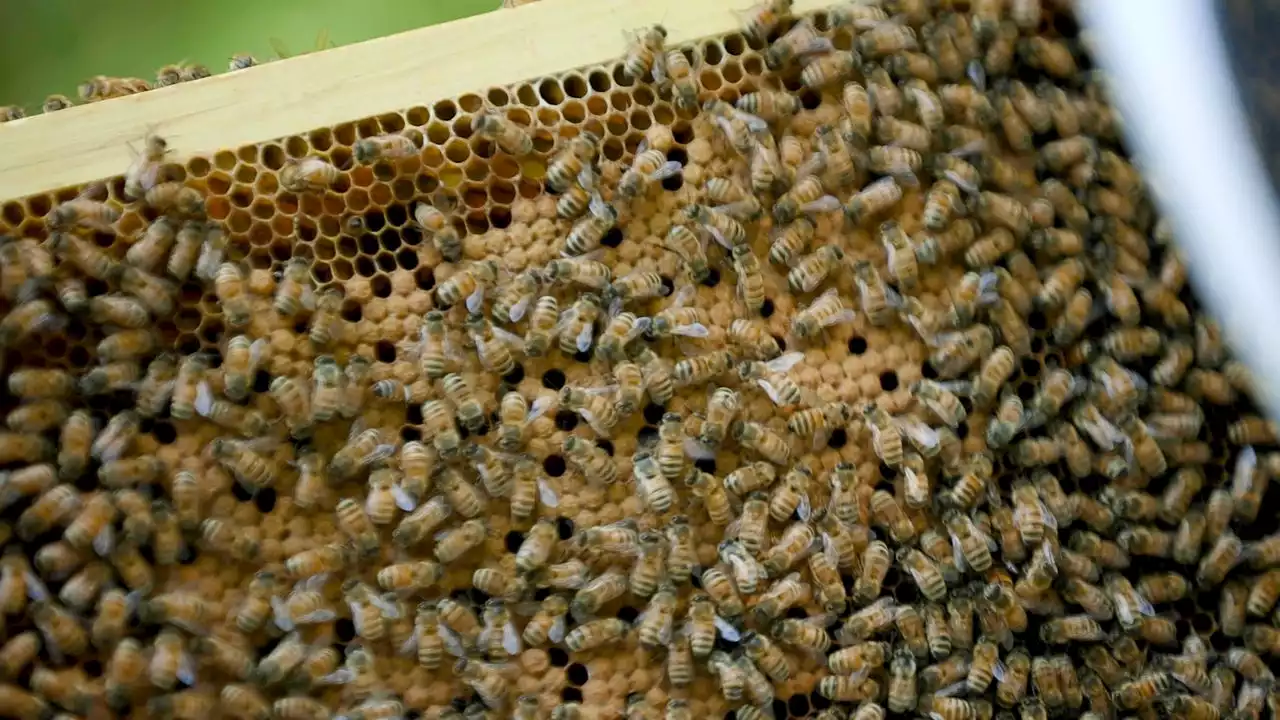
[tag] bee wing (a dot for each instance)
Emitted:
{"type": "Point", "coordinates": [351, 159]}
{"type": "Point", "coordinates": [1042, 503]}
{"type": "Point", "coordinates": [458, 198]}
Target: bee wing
{"type": "Point", "coordinates": [804, 510]}
{"type": "Point", "coordinates": [280, 611]}
{"type": "Point", "coordinates": [186, 669]}
{"type": "Point", "coordinates": [1242, 475]}
{"type": "Point", "coordinates": [204, 399]}
{"type": "Point", "coordinates": [920, 433]}
{"type": "Point", "coordinates": [510, 338]}
{"type": "Point", "coordinates": [518, 309]}
{"type": "Point", "coordinates": [718, 236]}
{"type": "Point", "coordinates": [452, 641]}
{"type": "Point", "coordinates": [105, 542]}
{"type": "Point", "coordinates": [957, 551]}
{"type": "Point", "coordinates": [668, 169]}
{"type": "Point", "coordinates": [754, 123]}
{"type": "Point", "coordinates": [404, 500]}
{"type": "Point", "coordinates": [410, 645]}
{"type": "Point", "coordinates": [977, 74]}
{"type": "Point", "coordinates": [475, 301]}
{"type": "Point", "coordinates": [830, 550]}
{"type": "Point", "coordinates": [697, 450]}
{"type": "Point", "coordinates": [961, 182]}
{"type": "Point", "coordinates": [726, 629]}
{"type": "Point", "coordinates": [546, 495]}
{"type": "Point", "coordinates": [341, 676]}
{"type": "Point", "coordinates": [826, 203]}
{"type": "Point", "coordinates": [37, 591]}
{"type": "Point", "coordinates": [389, 610]}
{"type": "Point", "coordinates": [784, 363]}
{"type": "Point", "coordinates": [638, 328]}
{"type": "Point", "coordinates": [773, 392]}
{"type": "Point", "coordinates": [511, 638]}
{"type": "Point", "coordinates": [695, 330]}
{"type": "Point", "coordinates": [583, 341]}
{"type": "Point", "coordinates": [998, 671]}
{"type": "Point", "coordinates": [539, 408]}
{"type": "Point", "coordinates": [556, 633]}
{"type": "Point", "coordinates": [951, 691]}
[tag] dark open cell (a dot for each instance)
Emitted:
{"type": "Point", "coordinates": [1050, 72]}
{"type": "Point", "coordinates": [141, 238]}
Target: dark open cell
{"type": "Point", "coordinates": [164, 433]}
{"type": "Point", "coordinates": [927, 371]}
{"type": "Point", "coordinates": [385, 351]}
{"type": "Point", "coordinates": [797, 613]}
{"type": "Point", "coordinates": [613, 238]}
{"type": "Point", "coordinates": [397, 215]}
{"type": "Point", "coordinates": [1037, 320]}
{"type": "Point", "coordinates": [261, 381]}
{"type": "Point", "coordinates": [410, 434]}
{"type": "Point", "coordinates": [647, 435]}
{"type": "Point", "coordinates": [706, 465]}
{"type": "Point", "coordinates": [668, 285]}
{"type": "Point", "coordinates": [887, 473]}
{"type": "Point", "coordinates": [413, 414]}
{"type": "Point", "coordinates": [838, 439]}
{"type": "Point", "coordinates": [888, 381]}
{"type": "Point", "coordinates": [766, 310]}
{"type": "Point", "coordinates": [513, 540]}
{"type": "Point", "coordinates": [515, 376]}
{"type": "Point", "coordinates": [92, 668]}
{"type": "Point", "coordinates": [627, 614]}
{"type": "Point", "coordinates": [582, 357]}
{"type": "Point", "coordinates": [653, 413]}
{"type": "Point", "coordinates": [564, 528]}
{"type": "Point", "coordinates": [606, 446]}
{"type": "Point", "coordinates": [571, 695]}
{"type": "Point", "coordinates": [577, 674]}
{"type": "Point", "coordinates": [369, 244]}
{"type": "Point", "coordinates": [1030, 366]}
{"type": "Point", "coordinates": [673, 183]}
{"type": "Point", "coordinates": [566, 420]}
{"type": "Point", "coordinates": [240, 492]}
{"type": "Point", "coordinates": [425, 277]}
{"type": "Point", "coordinates": [558, 657]}
{"type": "Point", "coordinates": [779, 708]}
{"type": "Point", "coordinates": [798, 705]}
{"type": "Point", "coordinates": [352, 312]}
{"type": "Point", "coordinates": [345, 629]}
{"type": "Point", "coordinates": [818, 701]}
{"type": "Point", "coordinates": [712, 279]}
{"type": "Point", "coordinates": [857, 345]}
{"type": "Point", "coordinates": [375, 221]}
{"type": "Point", "coordinates": [1026, 391]}
{"type": "Point", "coordinates": [962, 430]}
{"type": "Point", "coordinates": [541, 594]}
{"type": "Point", "coordinates": [265, 500]}
{"type": "Point", "coordinates": [553, 465]}
{"type": "Point", "coordinates": [553, 379]}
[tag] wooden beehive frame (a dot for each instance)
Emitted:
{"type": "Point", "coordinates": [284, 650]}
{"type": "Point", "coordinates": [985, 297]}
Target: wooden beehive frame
{"type": "Point", "coordinates": [91, 142]}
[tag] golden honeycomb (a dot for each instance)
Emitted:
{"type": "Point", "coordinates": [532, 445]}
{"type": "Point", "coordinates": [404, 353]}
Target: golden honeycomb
{"type": "Point", "coordinates": [359, 236]}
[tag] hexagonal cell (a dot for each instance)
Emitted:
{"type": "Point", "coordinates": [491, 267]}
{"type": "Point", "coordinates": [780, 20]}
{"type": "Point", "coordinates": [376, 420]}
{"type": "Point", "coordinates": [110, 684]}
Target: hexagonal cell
{"type": "Point", "coordinates": [597, 105]}
{"type": "Point", "coordinates": [731, 72]}
{"type": "Point", "coordinates": [418, 116]}
{"type": "Point", "coordinates": [471, 103]}
{"type": "Point", "coordinates": [246, 174]}
{"type": "Point", "coordinates": [224, 160]}
{"type": "Point", "coordinates": [267, 184]}
{"type": "Point", "coordinates": [391, 122]}
{"type": "Point", "coordinates": [238, 221]}
{"type": "Point", "coordinates": [574, 112]}
{"type": "Point", "coordinates": [198, 166]}
{"type": "Point", "coordinates": [248, 154]}
{"type": "Point", "coordinates": [342, 270]}
{"type": "Point", "coordinates": [262, 209]}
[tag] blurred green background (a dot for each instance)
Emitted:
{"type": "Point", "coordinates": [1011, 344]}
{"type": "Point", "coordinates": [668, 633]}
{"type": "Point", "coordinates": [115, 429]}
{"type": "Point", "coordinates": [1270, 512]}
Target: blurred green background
{"type": "Point", "coordinates": [51, 46]}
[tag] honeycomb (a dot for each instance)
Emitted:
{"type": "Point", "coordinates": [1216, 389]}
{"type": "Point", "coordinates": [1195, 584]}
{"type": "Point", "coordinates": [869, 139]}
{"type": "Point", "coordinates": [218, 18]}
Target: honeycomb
{"type": "Point", "coordinates": [1133, 516]}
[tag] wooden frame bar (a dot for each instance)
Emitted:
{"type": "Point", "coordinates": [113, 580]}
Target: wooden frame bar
{"type": "Point", "coordinates": [91, 142]}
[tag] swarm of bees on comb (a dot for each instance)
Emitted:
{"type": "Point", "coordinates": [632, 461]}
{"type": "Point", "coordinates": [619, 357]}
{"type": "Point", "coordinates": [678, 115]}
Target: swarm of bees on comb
{"type": "Point", "coordinates": [1055, 504]}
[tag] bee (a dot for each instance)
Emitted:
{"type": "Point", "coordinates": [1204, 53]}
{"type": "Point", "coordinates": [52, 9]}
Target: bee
{"type": "Point", "coordinates": [874, 199]}
{"type": "Point", "coordinates": [507, 134]}
{"type": "Point", "coordinates": [590, 460]}
{"type": "Point", "coordinates": [308, 174]}
{"type": "Point", "coordinates": [433, 218]}
{"type": "Point", "coordinates": [567, 165]}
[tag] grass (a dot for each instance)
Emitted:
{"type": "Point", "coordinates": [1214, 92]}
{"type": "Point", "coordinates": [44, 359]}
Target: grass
{"type": "Point", "coordinates": [51, 46]}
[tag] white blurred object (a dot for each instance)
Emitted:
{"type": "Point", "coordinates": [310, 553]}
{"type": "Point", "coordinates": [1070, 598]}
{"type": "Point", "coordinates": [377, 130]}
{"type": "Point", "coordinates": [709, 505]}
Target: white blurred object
{"type": "Point", "coordinates": [1172, 81]}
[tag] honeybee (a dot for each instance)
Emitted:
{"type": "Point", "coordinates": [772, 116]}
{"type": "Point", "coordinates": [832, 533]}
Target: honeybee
{"type": "Point", "coordinates": [433, 218]}
{"type": "Point", "coordinates": [308, 174]}
{"type": "Point", "coordinates": [826, 310]}
{"type": "Point", "coordinates": [874, 199]}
